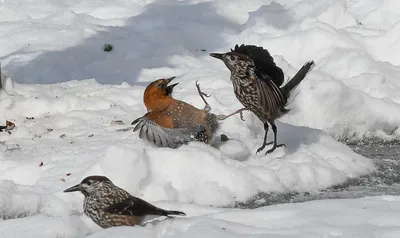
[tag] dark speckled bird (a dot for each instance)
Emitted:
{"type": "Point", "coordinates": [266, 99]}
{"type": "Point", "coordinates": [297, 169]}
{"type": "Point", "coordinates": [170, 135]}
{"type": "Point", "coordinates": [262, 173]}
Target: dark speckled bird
{"type": "Point", "coordinates": [256, 82]}
{"type": "Point", "coordinates": [170, 122]}
{"type": "Point", "coordinates": [108, 205]}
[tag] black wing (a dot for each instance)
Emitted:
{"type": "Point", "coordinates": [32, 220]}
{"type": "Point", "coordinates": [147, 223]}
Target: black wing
{"type": "Point", "coordinates": [137, 207]}
{"type": "Point", "coordinates": [166, 137]}
{"type": "Point", "coordinates": [265, 67]}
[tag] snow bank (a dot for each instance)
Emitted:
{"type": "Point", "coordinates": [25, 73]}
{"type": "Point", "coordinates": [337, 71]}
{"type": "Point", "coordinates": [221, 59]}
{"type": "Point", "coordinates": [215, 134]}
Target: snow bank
{"type": "Point", "coordinates": [72, 135]}
{"type": "Point", "coordinates": [194, 173]}
{"type": "Point", "coordinates": [367, 217]}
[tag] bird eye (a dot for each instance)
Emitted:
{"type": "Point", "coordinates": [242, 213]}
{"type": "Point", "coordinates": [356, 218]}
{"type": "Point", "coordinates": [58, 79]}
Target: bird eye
{"type": "Point", "coordinates": [232, 57]}
{"type": "Point", "coordinates": [159, 85]}
{"type": "Point", "coordinates": [89, 183]}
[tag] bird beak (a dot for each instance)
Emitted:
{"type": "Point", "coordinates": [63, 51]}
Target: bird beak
{"type": "Point", "coordinates": [170, 79]}
{"type": "Point", "coordinates": [217, 55]}
{"type": "Point", "coordinates": [73, 189]}
{"type": "Point", "coordinates": [170, 87]}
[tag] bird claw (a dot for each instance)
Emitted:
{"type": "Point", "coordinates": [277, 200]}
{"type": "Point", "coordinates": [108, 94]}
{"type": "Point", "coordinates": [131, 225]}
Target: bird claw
{"type": "Point", "coordinates": [207, 107]}
{"type": "Point", "coordinates": [260, 149]}
{"type": "Point", "coordinates": [270, 150]}
{"type": "Point", "coordinates": [205, 94]}
{"type": "Point", "coordinates": [241, 116]}
{"type": "Point", "coordinates": [240, 111]}
{"type": "Point", "coordinates": [273, 148]}
{"type": "Point", "coordinates": [199, 90]}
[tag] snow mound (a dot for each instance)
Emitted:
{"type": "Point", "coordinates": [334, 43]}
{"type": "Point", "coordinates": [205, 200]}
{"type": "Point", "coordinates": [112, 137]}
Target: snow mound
{"type": "Point", "coordinates": [367, 217]}
{"type": "Point", "coordinates": [73, 132]}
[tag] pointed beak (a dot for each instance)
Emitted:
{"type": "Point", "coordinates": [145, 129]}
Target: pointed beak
{"type": "Point", "coordinates": [170, 87]}
{"type": "Point", "coordinates": [217, 55]}
{"type": "Point", "coordinates": [170, 79]}
{"type": "Point", "coordinates": [73, 189]}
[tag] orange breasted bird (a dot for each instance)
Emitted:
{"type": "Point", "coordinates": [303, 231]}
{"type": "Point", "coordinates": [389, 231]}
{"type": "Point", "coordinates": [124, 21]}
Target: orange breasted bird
{"type": "Point", "coordinates": [170, 122]}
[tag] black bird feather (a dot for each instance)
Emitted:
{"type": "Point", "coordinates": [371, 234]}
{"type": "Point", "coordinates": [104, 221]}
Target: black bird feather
{"type": "Point", "coordinates": [137, 207]}
{"type": "Point", "coordinates": [265, 66]}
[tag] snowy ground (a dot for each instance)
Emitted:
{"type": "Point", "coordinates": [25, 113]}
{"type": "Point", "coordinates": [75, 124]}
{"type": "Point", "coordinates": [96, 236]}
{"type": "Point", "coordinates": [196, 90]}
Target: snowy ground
{"type": "Point", "coordinates": [367, 217]}
{"type": "Point", "coordinates": [66, 92]}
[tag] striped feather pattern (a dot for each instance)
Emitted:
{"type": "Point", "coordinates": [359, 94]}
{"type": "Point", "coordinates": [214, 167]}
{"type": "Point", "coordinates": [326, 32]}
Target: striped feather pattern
{"type": "Point", "coordinates": [165, 137]}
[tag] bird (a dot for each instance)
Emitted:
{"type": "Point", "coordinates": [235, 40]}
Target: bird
{"type": "Point", "coordinates": [170, 122]}
{"type": "Point", "coordinates": [109, 205]}
{"type": "Point", "coordinates": [8, 127]}
{"type": "Point", "coordinates": [257, 82]}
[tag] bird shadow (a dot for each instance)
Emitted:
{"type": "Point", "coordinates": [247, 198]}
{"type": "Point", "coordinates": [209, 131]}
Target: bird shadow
{"type": "Point", "coordinates": [164, 29]}
{"type": "Point", "coordinates": [295, 136]}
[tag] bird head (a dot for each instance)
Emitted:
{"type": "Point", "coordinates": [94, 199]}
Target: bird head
{"type": "Point", "coordinates": [239, 64]}
{"type": "Point", "coordinates": [158, 93]}
{"type": "Point", "coordinates": [90, 185]}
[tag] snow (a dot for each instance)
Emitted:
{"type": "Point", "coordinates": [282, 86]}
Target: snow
{"type": "Point", "coordinates": [367, 217]}
{"type": "Point", "coordinates": [65, 94]}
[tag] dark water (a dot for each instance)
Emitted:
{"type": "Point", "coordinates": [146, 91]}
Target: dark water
{"type": "Point", "coordinates": [385, 181]}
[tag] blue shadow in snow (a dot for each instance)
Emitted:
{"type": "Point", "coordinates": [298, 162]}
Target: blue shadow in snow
{"type": "Point", "coordinates": [148, 40]}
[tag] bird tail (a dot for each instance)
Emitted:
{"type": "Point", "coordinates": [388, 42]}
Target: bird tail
{"type": "Point", "coordinates": [178, 213]}
{"type": "Point", "coordinates": [301, 74]}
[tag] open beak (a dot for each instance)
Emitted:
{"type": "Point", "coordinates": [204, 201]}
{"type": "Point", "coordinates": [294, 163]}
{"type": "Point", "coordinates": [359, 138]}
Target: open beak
{"type": "Point", "coordinates": [170, 87]}
{"type": "Point", "coordinates": [73, 189]}
{"type": "Point", "coordinates": [217, 55]}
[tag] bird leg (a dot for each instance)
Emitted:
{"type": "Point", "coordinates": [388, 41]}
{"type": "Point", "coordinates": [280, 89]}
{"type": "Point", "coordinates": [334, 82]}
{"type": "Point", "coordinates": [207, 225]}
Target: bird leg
{"type": "Point", "coordinates": [223, 117]}
{"type": "Point", "coordinates": [274, 128]}
{"type": "Point", "coordinates": [207, 107]}
{"type": "Point", "coordinates": [265, 138]}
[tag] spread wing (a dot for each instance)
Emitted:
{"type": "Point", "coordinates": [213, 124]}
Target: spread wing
{"type": "Point", "coordinates": [265, 67]}
{"type": "Point", "coordinates": [137, 207]}
{"type": "Point", "coordinates": [166, 137]}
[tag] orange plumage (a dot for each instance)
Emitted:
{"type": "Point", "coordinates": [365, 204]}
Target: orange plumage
{"type": "Point", "coordinates": [170, 122]}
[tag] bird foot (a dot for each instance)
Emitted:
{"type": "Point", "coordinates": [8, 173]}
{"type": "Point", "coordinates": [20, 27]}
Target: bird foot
{"type": "Point", "coordinates": [222, 117]}
{"type": "Point", "coordinates": [240, 111]}
{"type": "Point", "coordinates": [201, 92]}
{"type": "Point", "coordinates": [207, 107]}
{"type": "Point", "coordinates": [273, 148]}
{"type": "Point", "coordinates": [241, 115]}
{"type": "Point", "coordinates": [261, 148]}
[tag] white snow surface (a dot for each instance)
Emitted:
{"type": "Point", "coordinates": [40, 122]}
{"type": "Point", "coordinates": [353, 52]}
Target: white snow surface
{"type": "Point", "coordinates": [64, 92]}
